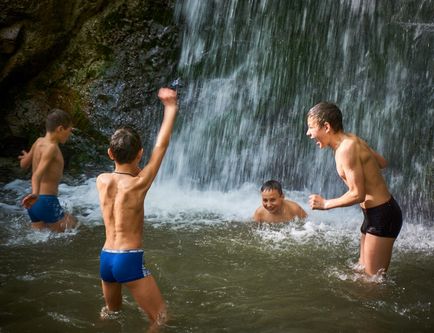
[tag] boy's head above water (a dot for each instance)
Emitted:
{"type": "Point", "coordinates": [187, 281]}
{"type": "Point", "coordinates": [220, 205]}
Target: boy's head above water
{"type": "Point", "coordinates": [58, 125]}
{"type": "Point", "coordinates": [272, 196]}
{"type": "Point", "coordinates": [326, 112]}
{"type": "Point", "coordinates": [125, 145]}
{"type": "Point", "coordinates": [270, 185]}
{"type": "Point", "coordinates": [56, 118]}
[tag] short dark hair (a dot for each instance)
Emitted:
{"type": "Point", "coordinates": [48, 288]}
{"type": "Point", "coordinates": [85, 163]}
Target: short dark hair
{"type": "Point", "coordinates": [327, 112]}
{"type": "Point", "coordinates": [57, 117]}
{"type": "Point", "coordinates": [272, 185]}
{"type": "Point", "coordinates": [125, 144]}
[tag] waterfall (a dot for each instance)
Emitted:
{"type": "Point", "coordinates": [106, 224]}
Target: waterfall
{"type": "Point", "coordinates": [253, 68]}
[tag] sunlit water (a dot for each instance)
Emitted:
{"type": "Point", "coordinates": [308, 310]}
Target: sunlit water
{"type": "Point", "coordinates": [251, 70]}
{"type": "Point", "coordinates": [216, 269]}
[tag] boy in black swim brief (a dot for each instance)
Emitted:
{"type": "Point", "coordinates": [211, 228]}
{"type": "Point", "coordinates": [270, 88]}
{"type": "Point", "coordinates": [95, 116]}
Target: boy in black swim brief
{"type": "Point", "coordinates": [383, 221]}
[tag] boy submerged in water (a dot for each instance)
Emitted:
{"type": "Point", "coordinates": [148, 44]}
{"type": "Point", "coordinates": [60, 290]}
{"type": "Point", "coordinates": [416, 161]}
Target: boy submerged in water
{"type": "Point", "coordinates": [275, 208]}
{"type": "Point", "coordinates": [47, 163]}
{"type": "Point", "coordinates": [359, 166]}
{"type": "Point", "coordinates": [121, 195]}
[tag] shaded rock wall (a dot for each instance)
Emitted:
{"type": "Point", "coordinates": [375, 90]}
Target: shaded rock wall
{"type": "Point", "coordinates": [100, 60]}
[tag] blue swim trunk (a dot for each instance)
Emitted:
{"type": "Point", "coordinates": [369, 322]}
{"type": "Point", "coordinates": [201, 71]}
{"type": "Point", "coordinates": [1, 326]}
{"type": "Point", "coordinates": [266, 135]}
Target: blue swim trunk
{"type": "Point", "coordinates": [46, 209]}
{"type": "Point", "coordinates": [122, 265]}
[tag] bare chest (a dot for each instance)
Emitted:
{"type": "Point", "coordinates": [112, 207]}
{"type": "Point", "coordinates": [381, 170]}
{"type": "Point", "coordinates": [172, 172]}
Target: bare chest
{"type": "Point", "coordinates": [340, 170]}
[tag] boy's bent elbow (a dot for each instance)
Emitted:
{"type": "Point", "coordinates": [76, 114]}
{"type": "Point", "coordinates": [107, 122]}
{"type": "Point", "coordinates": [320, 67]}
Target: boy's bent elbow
{"type": "Point", "coordinates": [359, 197]}
{"type": "Point", "coordinates": [355, 196]}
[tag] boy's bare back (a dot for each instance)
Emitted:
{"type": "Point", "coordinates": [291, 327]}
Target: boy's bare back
{"type": "Point", "coordinates": [122, 193]}
{"type": "Point", "coordinates": [122, 199]}
{"type": "Point", "coordinates": [48, 152]}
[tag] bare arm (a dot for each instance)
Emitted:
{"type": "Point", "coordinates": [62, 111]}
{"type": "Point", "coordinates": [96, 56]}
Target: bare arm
{"type": "Point", "coordinates": [46, 158]}
{"type": "Point", "coordinates": [168, 98]}
{"type": "Point", "coordinates": [26, 158]}
{"type": "Point", "coordinates": [301, 212]}
{"type": "Point", "coordinates": [354, 178]}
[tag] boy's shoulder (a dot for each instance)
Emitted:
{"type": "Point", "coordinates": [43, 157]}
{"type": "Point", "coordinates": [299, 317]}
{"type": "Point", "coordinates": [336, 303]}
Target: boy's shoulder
{"type": "Point", "coordinates": [103, 179]}
{"type": "Point", "coordinates": [104, 175]}
{"type": "Point", "coordinates": [38, 142]}
{"type": "Point", "coordinates": [291, 203]}
{"type": "Point", "coordinates": [260, 212]}
{"type": "Point", "coordinates": [295, 209]}
{"type": "Point", "coordinates": [46, 147]}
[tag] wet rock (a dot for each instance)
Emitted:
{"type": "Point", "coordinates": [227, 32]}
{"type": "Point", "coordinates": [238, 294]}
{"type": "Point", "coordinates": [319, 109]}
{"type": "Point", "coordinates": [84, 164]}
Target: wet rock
{"type": "Point", "coordinates": [102, 61]}
{"type": "Point", "coordinates": [9, 38]}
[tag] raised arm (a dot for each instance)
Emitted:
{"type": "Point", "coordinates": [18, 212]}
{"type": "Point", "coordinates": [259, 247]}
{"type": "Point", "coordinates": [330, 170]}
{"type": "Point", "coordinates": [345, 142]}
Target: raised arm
{"type": "Point", "coordinates": [168, 98]}
{"type": "Point", "coordinates": [46, 158]}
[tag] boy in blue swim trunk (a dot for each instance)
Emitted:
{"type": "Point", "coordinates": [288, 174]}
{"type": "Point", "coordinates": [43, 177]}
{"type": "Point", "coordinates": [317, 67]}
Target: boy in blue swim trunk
{"type": "Point", "coordinates": [47, 163]}
{"type": "Point", "coordinates": [359, 166]}
{"type": "Point", "coordinates": [121, 195]}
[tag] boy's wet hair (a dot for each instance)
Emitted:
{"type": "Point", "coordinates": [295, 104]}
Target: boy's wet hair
{"type": "Point", "coordinates": [270, 185]}
{"type": "Point", "coordinates": [125, 144]}
{"type": "Point", "coordinates": [56, 118]}
{"type": "Point", "coordinates": [327, 112]}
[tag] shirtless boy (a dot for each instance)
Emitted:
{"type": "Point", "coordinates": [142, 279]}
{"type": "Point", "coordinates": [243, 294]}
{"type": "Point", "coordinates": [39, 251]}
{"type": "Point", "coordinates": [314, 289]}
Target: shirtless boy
{"type": "Point", "coordinates": [121, 195]}
{"type": "Point", "coordinates": [47, 163]}
{"type": "Point", "coordinates": [359, 166]}
{"type": "Point", "coordinates": [275, 208]}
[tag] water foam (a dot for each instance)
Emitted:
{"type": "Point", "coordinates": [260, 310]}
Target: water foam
{"type": "Point", "coordinates": [168, 204]}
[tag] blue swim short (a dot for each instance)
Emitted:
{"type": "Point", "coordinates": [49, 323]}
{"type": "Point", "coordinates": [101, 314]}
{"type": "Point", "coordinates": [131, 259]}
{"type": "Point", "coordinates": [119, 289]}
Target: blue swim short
{"type": "Point", "coordinates": [46, 209]}
{"type": "Point", "coordinates": [122, 265]}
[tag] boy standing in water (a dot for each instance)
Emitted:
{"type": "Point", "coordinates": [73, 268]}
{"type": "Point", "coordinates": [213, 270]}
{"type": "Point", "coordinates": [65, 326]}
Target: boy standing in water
{"type": "Point", "coordinates": [274, 207]}
{"type": "Point", "coordinates": [47, 163]}
{"type": "Point", "coordinates": [121, 195]}
{"type": "Point", "coordinates": [359, 167]}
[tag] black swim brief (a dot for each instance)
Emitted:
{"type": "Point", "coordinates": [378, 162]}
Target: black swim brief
{"type": "Point", "coordinates": [383, 221]}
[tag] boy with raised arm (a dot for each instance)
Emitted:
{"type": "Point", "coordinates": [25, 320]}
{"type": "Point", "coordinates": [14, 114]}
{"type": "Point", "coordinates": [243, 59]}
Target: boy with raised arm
{"type": "Point", "coordinates": [121, 195]}
{"type": "Point", "coordinates": [359, 166]}
{"type": "Point", "coordinates": [47, 163]}
{"type": "Point", "coordinates": [275, 208]}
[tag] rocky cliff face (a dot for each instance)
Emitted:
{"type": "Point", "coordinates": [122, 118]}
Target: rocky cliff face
{"type": "Point", "coordinates": [100, 60]}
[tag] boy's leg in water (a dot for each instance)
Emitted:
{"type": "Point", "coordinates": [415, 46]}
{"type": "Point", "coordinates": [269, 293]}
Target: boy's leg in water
{"type": "Point", "coordinates": [112, 292]}
{"type": "Point", "coordinates": [66, 223]}
{"type": "Point", "coordinates": [362, 250]}
{"type": "Point", "coordinates": [377, 252]}
{"type": "Point", "coordinates": [38, 225]}
{"type": "Point", "coordinates": [147, 294]}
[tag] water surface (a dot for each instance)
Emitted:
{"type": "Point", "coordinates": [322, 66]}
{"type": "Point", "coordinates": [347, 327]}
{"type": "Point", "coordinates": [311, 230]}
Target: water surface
{"type": "Point", "coordinates": [217, 270]}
